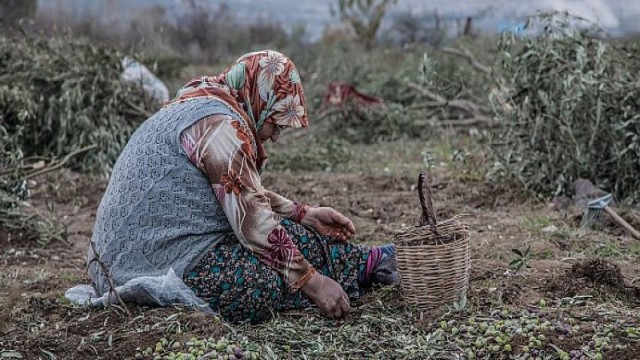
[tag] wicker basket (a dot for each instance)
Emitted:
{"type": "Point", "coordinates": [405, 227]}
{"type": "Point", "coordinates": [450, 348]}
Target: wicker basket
{"type": "Point", "coordinates": [433, 258]}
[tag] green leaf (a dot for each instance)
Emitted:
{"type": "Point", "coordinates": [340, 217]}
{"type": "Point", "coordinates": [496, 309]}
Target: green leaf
{"type": "Point", "coordinates": [235, 77]}
{"type": "Point", "coordinates": [295, 77]}
{"type": "Point", "coordinates": [10, 355]}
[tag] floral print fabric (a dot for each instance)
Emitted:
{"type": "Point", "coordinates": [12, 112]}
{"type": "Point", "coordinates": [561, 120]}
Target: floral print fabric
{"type": "Point", "coordinates": [241, 288]}
{"type": "Point", "coordinates": [265, 85]}
{"type": "Point", "coordinates": [260, 87]}
{"type": "Point", "coordinates": [222, 148]}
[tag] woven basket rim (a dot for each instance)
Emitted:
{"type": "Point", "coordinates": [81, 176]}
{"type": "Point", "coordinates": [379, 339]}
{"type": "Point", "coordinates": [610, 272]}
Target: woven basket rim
{"type": "Point", "coordinates": [445, 222]}
{"type": "Point", "coordinates": [452, 226]}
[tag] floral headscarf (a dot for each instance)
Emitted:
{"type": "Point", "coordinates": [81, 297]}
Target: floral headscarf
{"type": "Point", "coordinates": [265, 85]}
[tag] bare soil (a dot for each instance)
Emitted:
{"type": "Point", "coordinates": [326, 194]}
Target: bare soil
{"type": "Point", "coordinates": [38, 323]}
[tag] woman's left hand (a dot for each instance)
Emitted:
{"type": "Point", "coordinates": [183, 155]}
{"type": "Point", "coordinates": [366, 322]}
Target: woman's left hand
{"type": "Point", "coordinates": [329, 222]}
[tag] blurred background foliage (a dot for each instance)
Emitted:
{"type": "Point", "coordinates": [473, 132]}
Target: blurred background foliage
{"type": "Point", "coordinates": [545, 104]}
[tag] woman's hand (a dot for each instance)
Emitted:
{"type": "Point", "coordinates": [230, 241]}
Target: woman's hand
{"type": "Point", "coordinates": [328, 295]}
{"type": "Point", "coordinates": [327, 221]}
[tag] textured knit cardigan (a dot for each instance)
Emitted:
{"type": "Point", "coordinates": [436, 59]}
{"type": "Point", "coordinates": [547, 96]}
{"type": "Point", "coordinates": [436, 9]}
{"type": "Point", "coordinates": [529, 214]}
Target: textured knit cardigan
{"type": "Point", "coordinates": [159, 211]}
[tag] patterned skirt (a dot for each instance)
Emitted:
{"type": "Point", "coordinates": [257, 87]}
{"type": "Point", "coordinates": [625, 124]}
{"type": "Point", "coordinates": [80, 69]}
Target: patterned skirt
{"type": "Point", "coordinates": [241, 288]}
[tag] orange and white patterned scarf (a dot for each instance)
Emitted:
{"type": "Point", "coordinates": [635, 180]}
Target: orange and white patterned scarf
{"type": "Point", "coordinates": [262, 86]}
{"type": "Point", "coordinates": [265, 86]}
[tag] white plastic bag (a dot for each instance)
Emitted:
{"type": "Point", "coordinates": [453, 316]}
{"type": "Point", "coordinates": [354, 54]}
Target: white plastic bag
{"type": "Point", "coordinates": [137, 73]}
{"type": "Point", "coordinates": [165, 290]}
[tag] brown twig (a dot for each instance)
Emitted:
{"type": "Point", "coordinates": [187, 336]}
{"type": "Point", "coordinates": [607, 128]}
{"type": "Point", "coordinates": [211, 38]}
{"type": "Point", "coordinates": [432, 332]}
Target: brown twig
{"type": "Point", "coordinates": [35, 165]}
{"type": "Point", "coordinates": [466, 54]}
{"type": "Point", "coordinates": [8, 171]}
{"type": "Point", "coordinates": [112, 287]}
{"type": "Point", "coordinates": [137, 108]}
{"type": "Point", "coordinates": [473, 121]}
{"type": "Point", "coordinates": [60, 163]}
{"type": "Point", "coordinates": [426, 203]}
{"type": "Point", "coordinates": [437, 100]}
{"type": "Point", "coordinates": [51, 167]}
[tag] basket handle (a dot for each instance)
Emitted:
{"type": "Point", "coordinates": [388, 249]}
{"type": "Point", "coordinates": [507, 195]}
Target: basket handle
{"type": "Point", "coordinates": [428, 214]}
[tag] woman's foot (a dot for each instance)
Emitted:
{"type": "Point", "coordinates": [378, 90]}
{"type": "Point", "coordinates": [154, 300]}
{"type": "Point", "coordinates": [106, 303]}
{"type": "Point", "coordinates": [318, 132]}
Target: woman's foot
{"type": "Point", "coordinates": [386, 272]}
{"type": "Point", "coordinates": [380, 267]}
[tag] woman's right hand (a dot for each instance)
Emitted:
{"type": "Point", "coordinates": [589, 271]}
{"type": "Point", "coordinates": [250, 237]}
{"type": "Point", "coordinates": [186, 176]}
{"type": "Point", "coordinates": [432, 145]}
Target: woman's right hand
{"type": "Point", "coordinates": [328, 295]}
{"type": "Point", "coordinates": [329, 222]}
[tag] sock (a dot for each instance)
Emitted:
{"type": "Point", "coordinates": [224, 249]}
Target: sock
{"type": "Point", "coordinates": [376, 254]}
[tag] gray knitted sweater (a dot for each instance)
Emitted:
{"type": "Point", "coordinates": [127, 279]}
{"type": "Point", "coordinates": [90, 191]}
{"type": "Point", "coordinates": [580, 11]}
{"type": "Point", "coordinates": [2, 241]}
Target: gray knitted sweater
{"type": "Point", "coordinates": [159, 210]}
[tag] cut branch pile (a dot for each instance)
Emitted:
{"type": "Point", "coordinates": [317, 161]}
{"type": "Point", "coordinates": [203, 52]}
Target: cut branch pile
{"type": "Point", "coordinates": [418, 99]}
{"type": "Point", "coordinates": [60, 98]}
{"type": "Point", "coordinates": [461, 112]}
{"type": "Point", "coordinates": [573, 111]}
{"type": "Point", "coordinates": [62, 94]}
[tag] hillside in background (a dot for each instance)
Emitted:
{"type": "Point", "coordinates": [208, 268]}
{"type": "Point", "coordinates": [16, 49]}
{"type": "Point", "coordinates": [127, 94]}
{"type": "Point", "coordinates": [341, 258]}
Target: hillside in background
{"type": "Point", "coordinates": [618, 16]}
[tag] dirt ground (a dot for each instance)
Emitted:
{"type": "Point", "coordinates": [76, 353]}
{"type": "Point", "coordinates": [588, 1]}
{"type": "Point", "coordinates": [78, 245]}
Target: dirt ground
{"type": "Point", "coordinates": [580, 283]}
